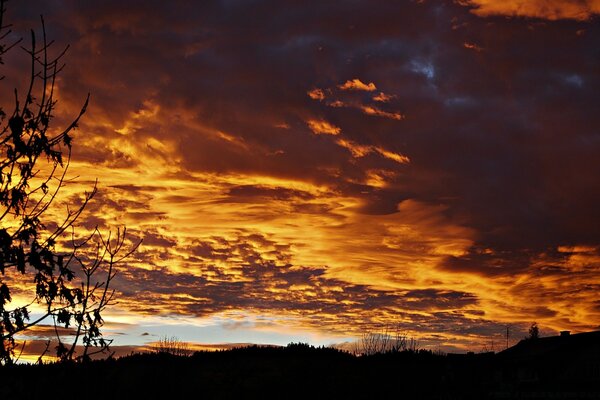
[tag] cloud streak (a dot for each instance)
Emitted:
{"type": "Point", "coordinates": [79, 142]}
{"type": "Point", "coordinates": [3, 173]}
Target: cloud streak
{"type": "Point", "coordinates": [542, 9]}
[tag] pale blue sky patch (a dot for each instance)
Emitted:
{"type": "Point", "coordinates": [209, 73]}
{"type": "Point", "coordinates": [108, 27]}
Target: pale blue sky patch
{"type": "Point", "coordinates": [423, 67]}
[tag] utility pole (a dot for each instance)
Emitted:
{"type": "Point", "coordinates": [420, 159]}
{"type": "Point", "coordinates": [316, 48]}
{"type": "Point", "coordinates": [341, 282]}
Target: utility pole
{"type": "Point", "coordinates": [507, 335]}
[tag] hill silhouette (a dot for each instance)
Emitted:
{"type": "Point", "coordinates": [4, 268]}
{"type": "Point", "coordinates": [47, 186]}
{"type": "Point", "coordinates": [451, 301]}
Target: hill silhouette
{"type": "Point", "coordinates": [303, 371]}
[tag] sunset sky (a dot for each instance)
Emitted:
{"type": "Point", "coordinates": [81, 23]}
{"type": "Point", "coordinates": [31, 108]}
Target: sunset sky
{"type": "Point", "coordinates": [309, 171]}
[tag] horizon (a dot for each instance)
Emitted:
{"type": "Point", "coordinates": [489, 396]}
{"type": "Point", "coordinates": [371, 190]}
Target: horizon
{"type": "Point", "coordinates": [311, 173]}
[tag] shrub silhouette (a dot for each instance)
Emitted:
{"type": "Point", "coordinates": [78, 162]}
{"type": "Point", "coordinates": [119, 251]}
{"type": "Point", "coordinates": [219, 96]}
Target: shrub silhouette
{"type": "Point", "coordinates": [173, 346]}
{"type": "Point", "coordinates": [388, 340]}
{"type": "Point", "coordinates": [34, 160]}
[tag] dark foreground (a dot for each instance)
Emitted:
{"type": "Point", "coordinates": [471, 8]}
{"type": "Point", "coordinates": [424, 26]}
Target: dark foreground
{"type": "Point", "coordinates": [302, 371]}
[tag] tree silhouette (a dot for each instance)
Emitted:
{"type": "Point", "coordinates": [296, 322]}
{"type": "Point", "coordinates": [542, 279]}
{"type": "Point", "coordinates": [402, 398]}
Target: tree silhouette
{"type": "Point", "coordinates": [34, 160]}
{"type": "Point", "coordinates": [534, 331]}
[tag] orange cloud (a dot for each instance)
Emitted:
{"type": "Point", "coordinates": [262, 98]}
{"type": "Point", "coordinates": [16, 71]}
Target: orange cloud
{"type": "Point", "coordinates": [356, 149]}
{"type": "Point", "coordinates": [383, 98]}
{"type": "Point", "coordinates": [234, 140]}
{"type": "Point", "coordinates": [399, 158]}
{"type": "Point", "coordinates": [472, 46]}
{"type": "Point", "coordinates": [337, 104]}
{"type": "Point", "coordinates": [359, 150]}
{"type": "Point", "coordinates": [357, 84]}
{"type": "Point", "coordinates": [316, 94]}
{"type": "Point", "coordinates": [322, 127]}
{"type": "Point", "coordinates": [369, 110]}
{"type": "Point", "coordinates": [544, 9]}
{"type": "Point", "coordinates": [147, 112]}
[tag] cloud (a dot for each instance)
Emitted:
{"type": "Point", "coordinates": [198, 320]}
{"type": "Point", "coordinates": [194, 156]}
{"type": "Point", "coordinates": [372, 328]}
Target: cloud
{"type": "Point", "coordinates": [302, 291]}
{"type": "Point", "coordinates": [358, 151]}
{"type": "Point", "coordinates": [357, 84]}
{"type": "Point", "coordinates": [369, 110]}
{"type": "Point", "coordinates": [472, 46]}
{"type": "Point", "coordinates": [399, 158]}
{"type": "Point", "coordinates": [383, 98]}
{"type": "Point", "coordinates": [206, 153]}
{"type": "Point", "coordinates": [316, 94]}
{"type": "Point", "coordinates": [322, 127]}
{"type": "Point", "coordinates": [542, 9]}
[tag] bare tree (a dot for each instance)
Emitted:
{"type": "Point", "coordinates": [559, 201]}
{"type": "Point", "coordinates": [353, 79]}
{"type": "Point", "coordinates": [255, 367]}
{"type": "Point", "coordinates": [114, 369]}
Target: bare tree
{"type": "Point", "coordinates": [34, 161]}
{"type": "Point", "coordinates": [388, 340]}
{"type": "Point", "coordinates": [173, 346]}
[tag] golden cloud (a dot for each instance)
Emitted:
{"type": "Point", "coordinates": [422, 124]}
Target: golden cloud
{"type": "Point", "coordinates": [357, 84]}
{"type": "Point", "coordinates": [316, 94]}
{"type": "Point", "coordinates": [544, 9]}
{"type": "Point", "coordinates": [359, 150]}
{"type": "Point", "coordinates": [399, 158]}
{"type": "Point", "coordinates": [356, 149]}
{"type": "Point", "coordinates": [383, 98]}
{"type": "Point", "coordinates": [322, 127]}
{"type": "Point", "coordinates": [369, 110]}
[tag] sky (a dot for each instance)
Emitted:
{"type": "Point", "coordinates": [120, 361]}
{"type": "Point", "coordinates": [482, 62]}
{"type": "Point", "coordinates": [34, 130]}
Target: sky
{"type": "Point", "coordinates": [311, 171]}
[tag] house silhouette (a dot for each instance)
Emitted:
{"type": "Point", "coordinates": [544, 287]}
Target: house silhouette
{"type": "Point", "coordinates": [569, 363]}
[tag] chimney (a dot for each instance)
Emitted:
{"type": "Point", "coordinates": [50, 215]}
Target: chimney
{"type": "Point", "coordinates": [565, 333]}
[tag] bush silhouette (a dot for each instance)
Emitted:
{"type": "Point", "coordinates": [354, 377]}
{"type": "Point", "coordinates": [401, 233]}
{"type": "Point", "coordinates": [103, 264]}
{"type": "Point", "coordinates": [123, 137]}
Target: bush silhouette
{"type": "Point", "coordinates": [173, 346]}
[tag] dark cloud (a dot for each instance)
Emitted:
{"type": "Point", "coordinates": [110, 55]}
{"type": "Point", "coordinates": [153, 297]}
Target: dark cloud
{"type": "Point", "coordinates": [491, 124]}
